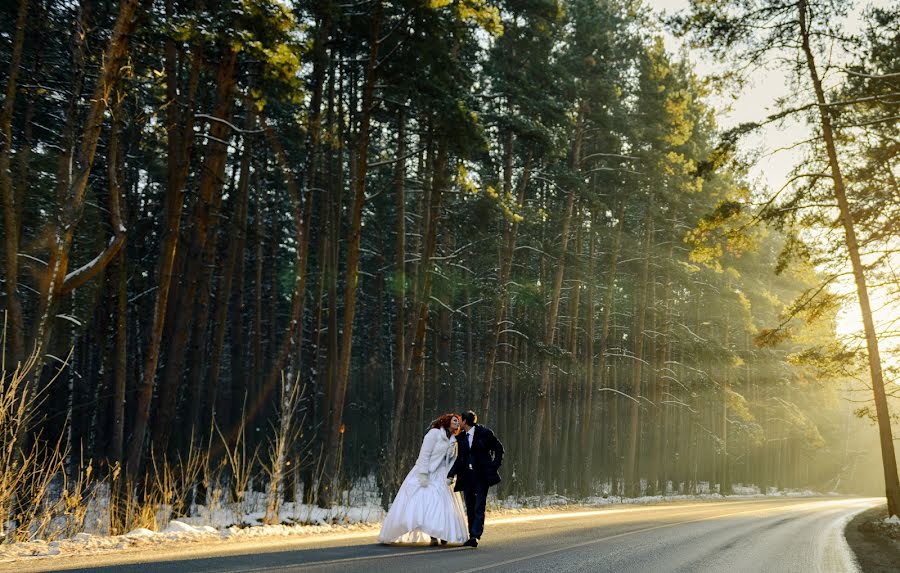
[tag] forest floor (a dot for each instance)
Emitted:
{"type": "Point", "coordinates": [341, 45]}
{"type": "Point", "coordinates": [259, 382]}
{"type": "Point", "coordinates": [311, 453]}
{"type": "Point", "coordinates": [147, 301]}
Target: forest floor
{"type": "Point", "coordinates": [215, 527]}
{"type": "Point", "coordinates": [875, 540]}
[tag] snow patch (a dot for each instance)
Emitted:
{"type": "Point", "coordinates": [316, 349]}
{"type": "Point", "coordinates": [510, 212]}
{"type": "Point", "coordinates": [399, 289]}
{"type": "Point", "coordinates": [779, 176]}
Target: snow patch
{"type": "Point", "coordinates": [181, 527]}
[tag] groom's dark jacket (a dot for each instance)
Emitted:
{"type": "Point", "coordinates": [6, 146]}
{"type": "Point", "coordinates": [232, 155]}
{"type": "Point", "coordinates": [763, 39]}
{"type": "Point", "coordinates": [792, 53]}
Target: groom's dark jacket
{"type": "Point", "coordinates": [481, 462]}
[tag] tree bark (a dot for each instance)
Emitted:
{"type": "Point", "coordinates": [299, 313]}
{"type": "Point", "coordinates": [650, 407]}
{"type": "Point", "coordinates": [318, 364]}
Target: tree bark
{"type": "Point", "coordinates": [303, 217]}
{"type": "Point", "coordinates": [10, 201]}
{"type": "Point", "coordinates": [507, 255]}
{"type": "Point", "coordinates": [632, 477]}
{"type": "Point", "coordinates": [888, 456]}
{"type": "Point", "coordinates": [259, 255]}
{"type": "Point", "coordinates": [552, 314]}
{"type": "Point", "coordinates": [201, 247]}
{"type": "Point", "coordinates": [569, 404]}
{"type": "Point", "coordinates": [586, 434]}
{"type": "Point", "coordinates": [115, 159]}
{"type": "Point", "coordinates": [180, 127]}
{"type": "Point", "coordinates": [334, 424]}
{"type": "Point", "coordinates": [444, 379]}
{"type": "Point", "coordinates": [72, 205]}
{"type": "Point", "coordinates": [302, 214]}
{"type": "Point", "coordinates": [400, 274]}
{"type": "Point", "coordinates": [415, 354]}
{"type": "Point", "coordinates": [659, 473]}
{"type": "Point", "coordinates": [199, 416]}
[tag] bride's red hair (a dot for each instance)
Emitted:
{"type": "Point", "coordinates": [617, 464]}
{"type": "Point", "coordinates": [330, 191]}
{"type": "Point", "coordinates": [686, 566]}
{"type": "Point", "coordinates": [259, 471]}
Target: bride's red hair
{"type": "Point", "coordinates": [444, 421]}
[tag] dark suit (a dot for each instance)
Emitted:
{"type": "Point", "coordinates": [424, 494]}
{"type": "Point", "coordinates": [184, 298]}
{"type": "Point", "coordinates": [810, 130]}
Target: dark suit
{"type": "Point", "coordinates": [476, 469]}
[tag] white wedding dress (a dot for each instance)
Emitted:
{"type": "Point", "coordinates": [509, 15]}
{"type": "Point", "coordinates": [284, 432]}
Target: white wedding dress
{"type": "Point", "coordinates": [434, 510]}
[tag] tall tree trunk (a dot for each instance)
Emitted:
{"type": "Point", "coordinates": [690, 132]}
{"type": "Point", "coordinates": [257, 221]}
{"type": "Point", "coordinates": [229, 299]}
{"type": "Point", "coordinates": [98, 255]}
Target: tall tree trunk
{"type": "Point", "coordinates": [235, 265]}
{"type": "Point", "coordinates": [444, 377]}
{"type": "Point", "coordinates": [470, 358]}
{"type": "Point", "coordinates": [259, 256]}
{"type": "Point", "coordinates": [326, 326]}
{"type": "Point", "coordinates": [400, 276]}
{"type": "Point", "coordinates": [725, 389]}
{"type": "Point", "coordinates": [71, 208]}
{"type": "Point", "coordinates": [201, 402]}
{"type": "Point", "coordinates": [552, 313]}
{"type": "Point", "coordinates": [632, 477]}
{"type": "Point", "coordinates": [663, 437]}
{"type": "Point", "coordinates": [888, 457]}
{"type": "Point", "coordinates": [257, 397]}
{"type": "Point", "coordinates": [408, 392]}
{"type": "Point", "coordinates": [67, 137]}
{"type": "Point", "coordinates": [610, 381]}
{"type": "Point", "coordinates": [374, 376]}
{"type": "Point", "coordinates": [415, 354]}
{"type": "Point", "coordinates": [117, 440]}
{"type": "Point", "coordinates": [586, 434]}
{"type": "Point", "coordinates": [389, 467]}
{"type": "Point", "coordinates": [334, 423]}
{"type": "Point", "coordinates": [302, 214]}
{"type": "Point", "coordinates": [22, 182]}
{"type": "Point", "coordinates": [293, 338]}
{"type": "Point", "coordinates": [400, 281]}
{"type": "Point", "coordinates": [10, 201]}
{"type": "Point", "coordinates": [302, 201]}
{"type": "Point", "coordinates": [180, 127]}
{"type": "Point", "coordinates": [507, 255]}
{"type": "Point", "coordinates": [332, 272]}
{"type": "Point", "coordinates": [115, 162]}
{"type": "Point", "coordinates": [202, 244]}
{"type": "Point", "coordinates": [651, 420]}
{"type": "Point", "coordinates": [569, 405]}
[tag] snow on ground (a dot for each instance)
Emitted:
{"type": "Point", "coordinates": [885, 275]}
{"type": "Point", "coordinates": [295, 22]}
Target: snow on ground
{"type": "Point", "coordinates": [360, 512]}
{"type": "Point", "coordinates": [704, 491]}
{"type": "Point", "coordinates": [556, 501]}
{"type": "Point", "coordinates": [177, 532]}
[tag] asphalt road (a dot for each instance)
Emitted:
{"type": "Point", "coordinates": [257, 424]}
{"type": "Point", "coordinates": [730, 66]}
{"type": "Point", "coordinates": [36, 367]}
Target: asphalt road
{"type": "Point", "coordinates": [768, 535]}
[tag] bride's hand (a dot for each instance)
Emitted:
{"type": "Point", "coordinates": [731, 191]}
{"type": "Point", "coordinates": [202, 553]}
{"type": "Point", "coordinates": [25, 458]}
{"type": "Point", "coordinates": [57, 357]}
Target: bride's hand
{"type": "Point", "coordinates": [423, 480]}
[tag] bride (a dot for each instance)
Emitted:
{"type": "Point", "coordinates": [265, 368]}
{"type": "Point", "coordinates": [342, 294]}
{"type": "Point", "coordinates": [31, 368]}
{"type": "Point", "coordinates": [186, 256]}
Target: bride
{"type": "Point", "coordinates": [426, 506]}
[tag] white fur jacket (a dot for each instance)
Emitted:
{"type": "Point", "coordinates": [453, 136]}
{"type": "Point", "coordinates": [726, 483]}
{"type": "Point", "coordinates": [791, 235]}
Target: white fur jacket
{"type": "Point", "coordinates": [438, 453]}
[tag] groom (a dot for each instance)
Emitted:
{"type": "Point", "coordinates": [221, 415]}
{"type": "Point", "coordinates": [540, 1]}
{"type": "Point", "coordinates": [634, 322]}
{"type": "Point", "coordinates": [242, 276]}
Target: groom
{"type": "Point", "coordinates": [479, 458]}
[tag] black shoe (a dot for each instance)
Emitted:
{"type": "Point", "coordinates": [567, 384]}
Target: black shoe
{"type": "Point", "coordinates": [434, 541]}
{"type": "Point", "coordinates": [472, 542]}
{"type": "Point", "coordinates": [443, 542]}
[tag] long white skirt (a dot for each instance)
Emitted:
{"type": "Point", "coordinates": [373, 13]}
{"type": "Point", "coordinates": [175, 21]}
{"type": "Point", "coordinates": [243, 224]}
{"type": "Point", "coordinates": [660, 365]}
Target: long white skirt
{"type": "Point", "coordinates": [419, 513]}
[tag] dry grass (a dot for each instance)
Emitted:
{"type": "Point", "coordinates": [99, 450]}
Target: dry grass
{"type": "Point", "coordinates": [241, 464]}
{"type": "Point", "coordinates": [28, 465]}
{"type": "Point", "coordinates": [285, 435]}
{"type": "Point", "coordinates": [46, 494]}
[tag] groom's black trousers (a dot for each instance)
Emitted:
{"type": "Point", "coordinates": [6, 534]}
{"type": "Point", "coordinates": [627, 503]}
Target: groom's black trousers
{"type": "Point", "coordinates": [475, 497]}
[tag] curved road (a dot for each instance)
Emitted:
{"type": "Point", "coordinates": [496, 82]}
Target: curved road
{"type": "Point", "coordinates": [764, 535]}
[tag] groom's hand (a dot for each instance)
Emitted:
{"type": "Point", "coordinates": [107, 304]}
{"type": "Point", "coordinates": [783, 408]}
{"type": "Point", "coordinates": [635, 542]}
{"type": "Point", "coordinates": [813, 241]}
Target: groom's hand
{"type": "Point", "coordinates": [423, 480]}
{"type": "Point", "coordinates": [450, 481]}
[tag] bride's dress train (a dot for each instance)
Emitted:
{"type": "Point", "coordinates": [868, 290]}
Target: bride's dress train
{"type": "Point", "coordinates": [434, 510]}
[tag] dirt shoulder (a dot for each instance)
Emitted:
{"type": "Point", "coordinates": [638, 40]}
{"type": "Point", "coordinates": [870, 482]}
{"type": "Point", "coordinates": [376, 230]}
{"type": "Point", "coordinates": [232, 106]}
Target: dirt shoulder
{"type": "Point", "coordinates": [875, 543]}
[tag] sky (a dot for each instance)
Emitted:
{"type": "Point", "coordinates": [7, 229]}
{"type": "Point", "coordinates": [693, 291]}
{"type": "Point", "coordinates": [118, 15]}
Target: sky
{"type": "Point", "coordinates": [756, 101]}
{"type": "Point", "coordinates": [772, 170]}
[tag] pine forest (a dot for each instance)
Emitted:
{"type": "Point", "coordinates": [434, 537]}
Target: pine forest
{"type": "Point", "coordinates": [259, 245]}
